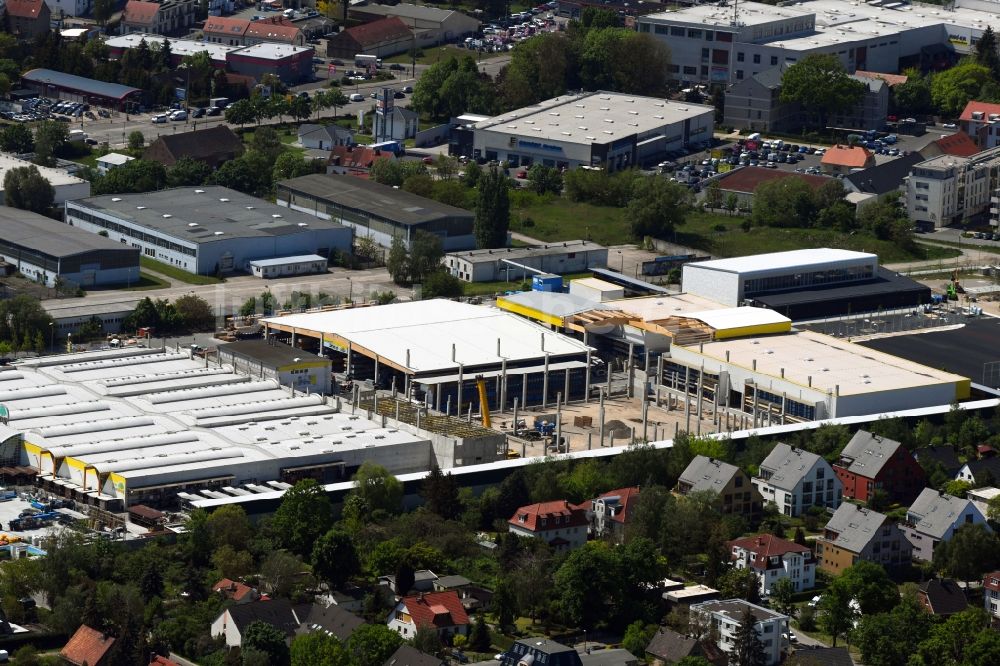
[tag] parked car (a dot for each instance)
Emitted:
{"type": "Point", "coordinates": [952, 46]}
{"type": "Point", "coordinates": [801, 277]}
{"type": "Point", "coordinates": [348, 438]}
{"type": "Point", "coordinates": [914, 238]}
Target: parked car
{"type": "Point", "coordinates": [159, 118]}
{"type": "Point", "coordinates": [198, 113]}
{"type": "Point", "coordinates": [407, 89]}
{"type": "Point", "coordinates": [180, 114]}
{"type": "Point", "coordinates": [357, 97]}
{"type": "Point", "coordinates": [396, 67]}
{"type": "Point", "coordinates": [398, 94]}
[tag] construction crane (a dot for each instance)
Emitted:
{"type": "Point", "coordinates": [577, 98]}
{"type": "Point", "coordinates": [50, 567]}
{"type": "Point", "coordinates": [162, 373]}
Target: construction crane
{"type": "Point", "coordinates": [484, 403]}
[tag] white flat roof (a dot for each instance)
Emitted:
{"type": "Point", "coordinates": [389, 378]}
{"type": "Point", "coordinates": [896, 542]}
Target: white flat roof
{"type": "Point", "coordinates": [596, 117]}
{"type": "Point", "coordinates": [284, 261]}
{"type": "Point", "coordinates": [830, 361]}
{"type": "Point", "coordinates": [272, 50]}
{"type": "Point", "coordinates": [56, 177]}
{"type": "Point", "coordinates": [115, 159]}
{"type": "Point", "coordinates": [596, 283]}
{"type": "Point", "coordinates": [428, 329]}
{"type": "Point", "coordinates": [663, 306]}
{"type": "Point", "coordinates": [750, 13]}
{"type": "Point", "coordinates": [790, 259]}
{"type": "Point", "coordinates": [181, 47]}
{"type": "Point", "coordinates": [739, 317]}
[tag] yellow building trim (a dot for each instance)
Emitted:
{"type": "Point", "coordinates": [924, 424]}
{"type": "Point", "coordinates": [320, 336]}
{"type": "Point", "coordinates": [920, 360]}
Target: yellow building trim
{"type": "Point", "coordinates": [760, 329]}
{"type": "Point", "coordinates": [963, 389]}
{"type": "Point", "coordinates": [530, 313]}
{"type": "Point", "coordinates": [32, 448]}
{"type": "Point", "coordinates": [76, 464]}
{"type": "Point", "coordinates": [119, 483]}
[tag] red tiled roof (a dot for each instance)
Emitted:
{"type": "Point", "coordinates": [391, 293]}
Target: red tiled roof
{"type": "Point", "coordinates": [628, 498]}
{"type": "Point", "coordinates": [137, 11]}
{"type": "Point", "coordinates": [767, 545]}
{"type": "Point", "coordinates": [855, 157]}
{"type": "Point", "coordinates": [958, 144]}
{"type": "Point", "coordinates": [275, 28]}
{"type": "Point", "coordinates": [357, 157]}
{"type": "Point", "coordinates": [985, 107]}
{"type": "Point", "coordinates": [158, 660]}
{"type": "Point", "coordinates": [232, 589]}
{"type": "Point", "coordinates": [988, 581]}
{"type": "Point", "coordinates": [748, 178]}
{"type": "Point", "coordinates": [890, 79]}
{"type": "Point", "coordinates": [382, 30]}
{"type": "Point", "coordinates": [86, 646]}
{"type": "Point", "coordinates": [529, 517]}
{"type": "Point", "coordinates": [436, 609]}
{"type": "Point", "coordinates": [30, 9]}
{"type": "Point", "coordinates": [231, 27]}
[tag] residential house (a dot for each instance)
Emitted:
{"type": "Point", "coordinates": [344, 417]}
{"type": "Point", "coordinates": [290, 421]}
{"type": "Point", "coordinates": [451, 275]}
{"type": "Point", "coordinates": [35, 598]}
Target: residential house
{"type": "Point", "coordinates": [562, 525]}
{"type": "Point", "coordinates": [724, 618]}
{"type": "Point", "coordinates": [795, 479]}
{"type": "Point", "coordinates": [27, 19]}
{"type": "Point", "coordinates": [611, 512]}
{"type": "Point", "coordinates": [397, 125]}
{"type": "Point", "coordinates": [355, 160]}
{"type": "Point", "coordinates": [942, 597]}
{"type": "Point", "coordinates": [350, 598]}
{"type": "Point", "coordinates": [226, 30]}
{"type": "Point", "coordinates": [870, 462]}
{"type": "Point", "coordinates": [991, 595]}
{"type": "Point", "coordinates": [772, 559]}
{"type": "Point", "coordinates": [980, 472]}
{"type": "Point", "coordinates": [842, 159]}
{"type": "Point", "coordinates": [669, 647]}
{"type": "Point", "coordinates": [423, 581]}
{"type": "Point", "coordinates": [881, 180]}
{"type": "Point", "coordinates": [213, 146]}
{"type": "Point", "coordinates": [273, 29]}
{"type": "Point", "coordinates": [331, 620]}
{"type": "Point", "coordinates": [891, 80]}
{"type": "Point", "coordinates": [943, 456]}
{"type": "Point", "coordinates": [407, 655]}
{"type": "Point", "coordinates": [442, 611]}
{"type": "Point", "coordinates": [981, 498]}
{"type": "Point", "coordinates": [934, 517]}
{"type": "Point", "coordinates": [855, 533]}
{"type": "Point", "coordinates": [822, 656]}
{"type": "Point", "coordinates": [958, 144]}
{"type": "Point", "coordinates": [981, 121]}
{"type": "Point", "coordinates": [158, 18]}
{"type": "Point", "coordinates": [233, 621]}
{"type": "Point", "coordinates": [62, 9]}
{"type": "Point", "coordinates": [160, 660]}
{"type": "Point", "coordinates": [473, 597]}
{"type": "Point", "coordinates": [949, 189]}
{"type": "Point", "coordinates": [236, 591]}
{"type": "Point", "coordinates": [87, 647]}
{"type": "Point", "coordinates": [383, 38]}
{"type": "Point", "coordinates": [544, 651]}
{"type": "Point", "coordinates": [744, 182]}
{"type": "Point", "coordinates": [324, 137]}
{"type": "Point", "coordinates": [106, 163]}
{"type": "Point", "coordinates": [736, 493]}
{"type": "Point", "coordinates": [871, 112]}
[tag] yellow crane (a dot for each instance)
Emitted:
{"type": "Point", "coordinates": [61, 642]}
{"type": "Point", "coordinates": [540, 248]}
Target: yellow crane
{"type": "Point", "coordinates": [484, 403]}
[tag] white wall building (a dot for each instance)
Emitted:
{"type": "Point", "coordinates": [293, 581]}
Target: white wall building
{"type": "Point", "coordinates": [607, 130]}
{"type": "Point", "coordinates": [773, 559]}
{"type": "Point", "coordinates": [725, 617]}
{"type": "Point", "coordinates": [107, 162]}
{"type": "Point", "coordinates": [795, 479]}
{"type": "Point", "coordinates": [934, 517]}
{"type": "Point", "coordinates": [65, 186]}
{"type": "Point", "coordinates": [948, 189]}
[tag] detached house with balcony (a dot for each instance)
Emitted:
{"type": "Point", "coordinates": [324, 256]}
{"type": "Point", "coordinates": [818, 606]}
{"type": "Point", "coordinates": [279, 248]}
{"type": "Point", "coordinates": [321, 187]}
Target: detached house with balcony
{"type": "Point", "coordinates": [869, 463]}
{"type": "Point", "coordinates": [611, 512]}
{"type": "Point", "coordinates": [724, 618]}
{"type": "Point", "coordinates": [795, 479]}
{"type": "Point", "coordinates": [855, 533]}
{"type": "Point", "coordinates": [736, 493]}
{"type": "Point", "coordinates": [562, 525]}
{"type": "Point", "coordinates": [991, 596]}
{"type": "Point", "coordinates": [935, 517]}
{"type": "Point", "coordinates": [773, 559]}
{"type": "Point", "coordinates": [441, 611]}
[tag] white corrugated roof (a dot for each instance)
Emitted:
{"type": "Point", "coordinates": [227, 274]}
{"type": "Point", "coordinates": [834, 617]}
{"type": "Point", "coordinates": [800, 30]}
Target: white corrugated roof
{"type": "Point", "coordinates": [282, 261]}
{"type": "Point", "coordinates": [739, 317]}
{"type": "Point", "coordinates": [791, 259]}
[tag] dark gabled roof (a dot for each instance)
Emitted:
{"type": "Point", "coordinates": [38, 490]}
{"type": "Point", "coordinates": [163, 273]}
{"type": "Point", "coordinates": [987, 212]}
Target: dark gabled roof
{"type": "Point", "coordinates": [671, 646]}
{"type": "Point", "coordinates": [407, 655]}
{"type": "Point", "coordinates": [704, 473]}
{"type": "Point", "coordinates": [79, 83]}
{"type": "Point", "coordinates": [273, 355]}
{"type": "Point", "coordinates": [943, 455]}
{"type": "Point", "coordinates": [886, 177]}
{"type": "Point", "coordinates": [203, 143]}
{"type": "Point", "coordinates": [985, 467]}
{"type": "Point", "coordinates": [823, 657]}
{"type": "Point", "coordinates": [332, 620]}
{"type": "Point", "coordinates": [944, 597]}
{"type": "Point", "coordinates": [56, 239]}
{"type": "Point", "coordinates": [935, 513]}
{"type": "Point", "coordinates": [866, 454]}
{"type": "Point", "coordinates": [275, 612]}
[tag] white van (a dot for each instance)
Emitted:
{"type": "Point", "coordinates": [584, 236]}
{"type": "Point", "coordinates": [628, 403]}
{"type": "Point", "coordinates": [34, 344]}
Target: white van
{"type": "Point", "coordinates": [357, 97]}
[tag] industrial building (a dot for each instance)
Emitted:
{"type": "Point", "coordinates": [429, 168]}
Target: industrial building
{"type": "Point", "coordinates": [520, 263]}
{"type": "Point", "coordinates": [948, 189]}
{"type": "Point", "coordinates": [64, 186]}
{"type": "Point", "coordinates": [48, 251]}
{"type": "Point", "coordinates": [803, 284]}
{"type": "Point", "coordinates": [433, 350]}
{"type": "Point", "coordinates": [59, 85]}
{"type": "Point", "coordinates": [207, 230]}
{"type": "Point", "coordinates": [727, 43]}
{"type": "Point", "coordinates": [601, 129]}
{"type": "Point", "coordinates": [286, 365]}
{"type": "Point", "coordinates": [430, 25]}
{"type": "Point", "coordinates": [151, 426]}
{"type": "Point", "coordinates": [287, 266]}
{"type": "Point", "coordinates": [377, 211]}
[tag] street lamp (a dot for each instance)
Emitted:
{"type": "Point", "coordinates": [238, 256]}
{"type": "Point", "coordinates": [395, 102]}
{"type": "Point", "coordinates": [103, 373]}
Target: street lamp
{"type": "Point", "coordinates": [52, 336]}
{"type": "Point", "coordinates": [622, 267]}
{"type": "Point", "coordinates": [350, 291]}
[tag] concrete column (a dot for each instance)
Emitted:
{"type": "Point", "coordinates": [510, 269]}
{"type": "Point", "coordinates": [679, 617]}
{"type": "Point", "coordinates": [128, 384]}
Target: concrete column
{"type": "Point", "coordinates": [565, 393]}
{"type": "Point", "coordinates": [645, 418]}
{"type": "Point", "coordinates": [503, 385]}
{"type": "Point", "coordinates": [659, 377]}
{"type": "Point", "coordinates": [524, 390]}
{"type": "Point", "coordinates": [559, 397]}
{"type": "Point", "coordinates": [447, 407]}
{"type": "Point", "coordinates": [437, 398]}
{"type": "Point", "coordinates": [294, 338]}
{"type": "Point", "coordinates": [347, 364]}
{"type": "Point", "coordinates": [784, 407]}
{"type": "Point", "coordinates": [515, 416]}
{"type": "Point", "coordinates": [701, 391]}
{"type": "Point", "coordinates": [322, 342]}
{"type": "Point", "coordinates": [375, 381]}
{"type": "Point", "coordinates": [630, 390]}
{"type": "Point", "coordinates": [397, 411]}
{"type": "Point", "coordinates": [545, 379]}
{"type": "Point", "coordinates": [590, 440]}
{"type": "Point", "coordinates": [687, 400]}
{"type": "Point", "coordinates": [458, 392]}
{"type": "Point", "coordinates": [756, 406]}
{"type": "Point", "coordinates": [600, 419]}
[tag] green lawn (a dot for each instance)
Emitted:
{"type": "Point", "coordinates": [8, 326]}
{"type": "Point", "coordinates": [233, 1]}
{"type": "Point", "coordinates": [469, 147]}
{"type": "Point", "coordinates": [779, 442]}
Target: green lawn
{"type": "Point", "coordinates": [148, 282]}
{"type": "Point", "coordinates": [490, 288]}
{"type": "Point", "coordinates": [176, 273]}
{"type": "Point", "coordinates": [433, 54]}
{"type": "Point", "coordinates": [558, 219]}
{"type": "Point", "coordinates": [992, 249]}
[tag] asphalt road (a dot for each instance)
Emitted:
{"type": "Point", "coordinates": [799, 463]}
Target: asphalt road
{"type": "Point", "coordinates": [963, 351]}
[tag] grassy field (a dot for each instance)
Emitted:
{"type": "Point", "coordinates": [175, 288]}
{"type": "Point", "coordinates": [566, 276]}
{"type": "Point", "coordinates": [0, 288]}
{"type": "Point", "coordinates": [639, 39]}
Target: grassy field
{"type": "Point", "coordinates": [558, 219]}
{"type": "Point", "coordinates": [490, 288]}
{"type": "Point", "coordinates": [148, 282]}
{"type": "Point", "coordinates": [176, 273]}
{"type": "Point", "coordinates": [434, 54]}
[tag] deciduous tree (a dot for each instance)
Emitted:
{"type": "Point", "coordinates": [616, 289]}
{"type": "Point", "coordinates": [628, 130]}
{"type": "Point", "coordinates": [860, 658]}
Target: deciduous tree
{"type": "Point", "coordinates": [821, 85]}
{"type": "Point", "coordinates": [305, 513]}
{"type": "Point", "coordinates": [27, 189]}
{"type": "Point", "coordinates": [492, 209]}
{"type": "Point", "coordinates": [657, 207]}
{"type": "Point", "coordinates": [334, 558]}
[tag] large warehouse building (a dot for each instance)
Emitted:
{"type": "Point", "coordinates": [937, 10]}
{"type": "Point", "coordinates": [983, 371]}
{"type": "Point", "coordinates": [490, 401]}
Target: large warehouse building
{"type": "Point", "coordinates": [726, 43]}
{"type": "Point", "coordinates": [207, 230]}
{"type": "Point", "coordinates": [59, 85]}
{"type": "Point", "coordinates": [434, 350]}
{"type": "Point", "coordinates": [122, 427]}
{"type": "Point", "coordinates": [602, 129]}
{"type": "Point", "coordinates": [377, 211]}
{"type": "Point", "coordinates": [47, 251]}
{"type": "Point", "coordinates": [804, 284]}
{"type": "Point", "coordinates": [64, 186]}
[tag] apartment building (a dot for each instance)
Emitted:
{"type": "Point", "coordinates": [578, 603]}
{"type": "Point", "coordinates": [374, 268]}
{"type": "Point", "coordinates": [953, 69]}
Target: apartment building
{"type": "Point", "coordinates": [736, 493]}
{"type": "Point", "coordinates": [991, 595]}
{"type": "Point", "coordinates": [795, 479]}
{"type": "Point", "coordinates": [724, 618]}
{"type": "Point", "coordinates": [855, 533]}
{"type": "Point", "coordinates": [772, 559]}
{"type": "Point", "coordinates": [948, 189]}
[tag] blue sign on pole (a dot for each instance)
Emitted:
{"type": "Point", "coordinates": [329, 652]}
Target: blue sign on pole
{"type": "Point", "coordinates": [180, 94]}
